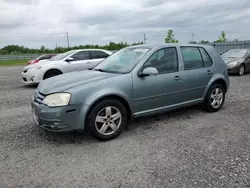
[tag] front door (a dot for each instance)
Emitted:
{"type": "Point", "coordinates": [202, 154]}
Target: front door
{"type": "Point", "coordinates": [152, 93]}
{"type": "Point", "coordinates": [81, 61]}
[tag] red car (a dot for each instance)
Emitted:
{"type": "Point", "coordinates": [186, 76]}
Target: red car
{"type": "Point", "coordinates": [42, 57]}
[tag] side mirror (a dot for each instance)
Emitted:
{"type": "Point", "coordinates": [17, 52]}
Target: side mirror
{"type": "Point", "coordinates": [149, 71]}
{"type": "Point", "coordinates": [69, 59]}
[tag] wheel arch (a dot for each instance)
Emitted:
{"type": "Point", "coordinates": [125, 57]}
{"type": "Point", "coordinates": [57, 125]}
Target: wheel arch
{"type": "Point", "coordinates": [216, 80]}
{"type": "Point", "coordinates": [118, 97]}
{"type": "Point", "coordinates": [52, 69]}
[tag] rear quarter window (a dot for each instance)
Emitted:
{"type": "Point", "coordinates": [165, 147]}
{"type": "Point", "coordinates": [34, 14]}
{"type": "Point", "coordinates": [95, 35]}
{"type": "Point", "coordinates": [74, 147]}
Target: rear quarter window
{"type": "Point", "coordinates": [206, 58]}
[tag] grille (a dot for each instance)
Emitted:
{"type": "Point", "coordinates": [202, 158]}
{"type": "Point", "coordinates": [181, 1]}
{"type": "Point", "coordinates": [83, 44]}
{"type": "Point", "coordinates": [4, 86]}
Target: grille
{"type": "Point", "coordinates": [39, 97]}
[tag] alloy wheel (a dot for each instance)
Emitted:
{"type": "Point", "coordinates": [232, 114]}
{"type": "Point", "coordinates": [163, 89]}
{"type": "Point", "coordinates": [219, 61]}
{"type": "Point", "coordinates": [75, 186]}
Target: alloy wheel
{"type": "Point", "coordinates": [108, 120]}
{"type": "Point", "coordinates": [241, 70]}
{"type": "Point", "coordinates": [216, 98]}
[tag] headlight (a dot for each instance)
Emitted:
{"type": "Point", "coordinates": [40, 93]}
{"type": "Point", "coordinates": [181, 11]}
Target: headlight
{"type": "Point", "coordinates": [232, 64]}
{"type": "Point", "coordinates": [57, 99]}
{"type": "Point", "coordinates": [34, 68]}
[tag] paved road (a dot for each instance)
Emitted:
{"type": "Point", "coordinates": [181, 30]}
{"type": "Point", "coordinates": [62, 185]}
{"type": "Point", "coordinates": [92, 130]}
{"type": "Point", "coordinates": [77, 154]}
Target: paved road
{"type": "Point", "coordinates": [187, 148]}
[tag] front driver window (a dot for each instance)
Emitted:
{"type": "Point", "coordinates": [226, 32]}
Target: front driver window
{"type": "Point", "coordinates": [164, 60]}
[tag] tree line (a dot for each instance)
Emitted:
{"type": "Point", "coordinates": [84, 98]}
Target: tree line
{"type": "Point", "coordinates": [16, 49]}
{"type": "Point", "coordinates": [170, 38]}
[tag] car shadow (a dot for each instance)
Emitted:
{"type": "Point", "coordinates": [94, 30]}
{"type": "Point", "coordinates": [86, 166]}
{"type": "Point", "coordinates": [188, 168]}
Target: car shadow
{"type": "Point", "coordinates": [34, 86]}
{"type": "Point", "coordinates": [144, 123]}
{"type": "Point", "coordinates": [33, 137]}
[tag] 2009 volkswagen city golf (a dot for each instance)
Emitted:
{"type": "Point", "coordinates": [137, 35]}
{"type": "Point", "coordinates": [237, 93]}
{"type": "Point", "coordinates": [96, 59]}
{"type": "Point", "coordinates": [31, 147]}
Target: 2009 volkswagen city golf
{"type": "Point", "coordinates": [135, 81]}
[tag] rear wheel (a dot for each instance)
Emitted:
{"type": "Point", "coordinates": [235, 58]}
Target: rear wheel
{"type": "Point", "coordinates": [241, 70]}
{"type": "Point", "coordinates": [51, 73]}
{"type": "Point", "coordinates": [215, 98]}
{"type": "Point", "coordinates": [106, 120]}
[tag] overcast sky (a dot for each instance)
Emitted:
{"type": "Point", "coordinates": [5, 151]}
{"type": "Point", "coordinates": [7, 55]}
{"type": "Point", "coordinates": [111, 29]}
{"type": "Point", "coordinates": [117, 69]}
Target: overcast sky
{"type": "Point", "coordinates": [34, 23]}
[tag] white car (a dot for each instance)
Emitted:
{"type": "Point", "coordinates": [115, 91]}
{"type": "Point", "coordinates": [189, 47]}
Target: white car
{"type": "Point", "coordinates": [74, 60]}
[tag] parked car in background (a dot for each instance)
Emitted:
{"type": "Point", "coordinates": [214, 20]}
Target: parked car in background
{"type": "Point", "coordinates": [133, 82]}
{"type": "Point", "coordinates": [41, 58]}
{"type": "Point", "coordinates": [237, 60]}
{"type": "Point", "coordinates": [114, 51]}
{"type": "Point", "coordinates": [74, 60]}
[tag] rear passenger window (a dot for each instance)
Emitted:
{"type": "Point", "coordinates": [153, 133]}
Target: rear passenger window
{"type": "Point", "coordinates": [206, 58]}
{"type": "Point", "coordinates": [192, 58]}
{"type": "Point", "coordinates": [98, 54]}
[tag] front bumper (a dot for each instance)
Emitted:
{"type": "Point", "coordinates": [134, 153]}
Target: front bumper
{"type": "Point", "coordinates": [31, 77]}
{"type": "Point", "coordinates": [233, 70]}
{"type": "Point", "coordinates": [58, 119]}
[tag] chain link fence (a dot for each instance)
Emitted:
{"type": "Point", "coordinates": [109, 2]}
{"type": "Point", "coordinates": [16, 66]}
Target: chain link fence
{"type": "Point", "coordinates": [222, 47]}
{"type": "Point", "coordinates": [18, 57]}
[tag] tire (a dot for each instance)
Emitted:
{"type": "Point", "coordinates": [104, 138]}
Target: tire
{"type": "Point", "coordinates": [105, 128]}
{"type": "Point", "coordinates": [241, 70]}
{"type": "Point", "coordinates": [215, 93]}
{"type": "Point", "coordinates": [51, 73]}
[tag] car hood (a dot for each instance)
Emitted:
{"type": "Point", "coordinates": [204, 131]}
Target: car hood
{"type": "Point", "coordinates": [228, 60]}
{"type": "Point", "coordinates": [73, 79]}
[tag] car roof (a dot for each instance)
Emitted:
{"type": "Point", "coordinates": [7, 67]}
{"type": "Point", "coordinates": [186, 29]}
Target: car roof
{"type": "Point", "coordinates": [89, 49]}
{"type": "Point", "coordinates": [152, 46]}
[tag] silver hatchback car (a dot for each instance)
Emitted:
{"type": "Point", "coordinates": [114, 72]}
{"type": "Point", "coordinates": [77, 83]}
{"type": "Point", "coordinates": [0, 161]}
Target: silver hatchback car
{"type": "Point", "coordinates": [135, 81]}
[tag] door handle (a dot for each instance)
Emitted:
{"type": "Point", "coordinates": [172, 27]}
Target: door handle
{"type": "Point", "coordinates": [177, 78]}
{"type": "Point", "coordinates": [209, 72]}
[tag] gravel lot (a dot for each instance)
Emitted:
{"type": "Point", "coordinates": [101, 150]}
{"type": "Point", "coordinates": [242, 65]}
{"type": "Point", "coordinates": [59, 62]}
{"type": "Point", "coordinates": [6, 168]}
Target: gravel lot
{"type": "Point", "coordinates": [186, 148]}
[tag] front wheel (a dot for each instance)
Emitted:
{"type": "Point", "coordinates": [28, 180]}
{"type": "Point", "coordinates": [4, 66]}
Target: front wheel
{"type": "Point", "coordinates": [241, 70]}
{"type": "Point", "coordinates": [51, 73]}
{"type": "Point", "coordinates": [106, 120]}
{"type": "Point", "coordinates": [215, 98]}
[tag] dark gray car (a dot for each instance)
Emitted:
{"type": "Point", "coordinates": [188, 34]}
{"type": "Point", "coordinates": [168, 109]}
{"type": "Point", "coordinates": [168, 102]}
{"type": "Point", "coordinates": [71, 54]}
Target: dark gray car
{"type": "Point", "coordinates": [237, 60]}
{"type": "Point", "coordinates": [133, 82]}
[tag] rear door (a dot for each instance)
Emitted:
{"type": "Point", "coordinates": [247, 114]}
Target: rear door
{"type": "Point", "coordinates": [81, 61]}
{"type": "Point", "coordinates": [197, 71]}
{"type": "Point", "coordinates": [97, 56]}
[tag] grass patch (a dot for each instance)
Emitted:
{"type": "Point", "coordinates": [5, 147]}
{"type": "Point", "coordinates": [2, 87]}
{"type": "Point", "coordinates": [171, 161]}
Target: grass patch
{"type": "Point", "coordinates": [13, 62]}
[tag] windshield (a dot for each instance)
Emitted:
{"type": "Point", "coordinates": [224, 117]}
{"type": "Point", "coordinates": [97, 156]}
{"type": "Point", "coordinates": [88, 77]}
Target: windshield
{"type": "Point", "coordinates": [39, 57]}
{"type": "Point", "coordinates": [122, 61]}
{"type": "Point", "coordinates": [61, 56]}
{"type": "Point", "coordinates": [234, 53]}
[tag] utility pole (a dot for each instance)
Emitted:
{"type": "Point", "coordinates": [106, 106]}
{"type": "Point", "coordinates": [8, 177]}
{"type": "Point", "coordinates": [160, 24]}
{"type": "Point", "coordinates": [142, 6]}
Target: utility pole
{"type": "Point", "coordinates": [56, 48]}
{"type": "Point", "coordinates": [192, 37]}
{"type": "Point", "coordinates": [145, 39]}
{"type": "Point", "coordinates": [67, 39]}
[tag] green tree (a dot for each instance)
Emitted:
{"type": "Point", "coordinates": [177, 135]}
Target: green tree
{"type": "Point", "coordinates": [42, 49]}
{"type": "Point", "coordinates": [204, 42]}
{"type": "Point", "coordinates": [222, 37]}
{"type": "Point", "coordinates": [170, 37]}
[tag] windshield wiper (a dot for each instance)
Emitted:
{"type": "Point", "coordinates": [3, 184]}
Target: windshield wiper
{"type": "Point", "coordinates": [101, 70]}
